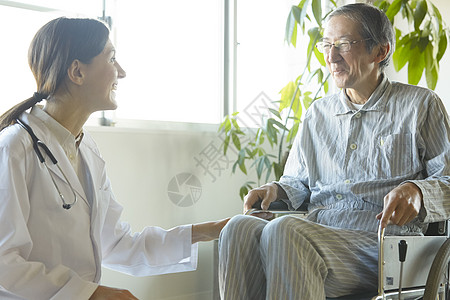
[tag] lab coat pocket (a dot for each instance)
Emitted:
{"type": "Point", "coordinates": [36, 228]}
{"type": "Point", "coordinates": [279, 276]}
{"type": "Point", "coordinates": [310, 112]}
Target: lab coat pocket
{"type": "Point", "coordinates": [396, 154]}
{"type": "Point", "coordinates": [103, 198]}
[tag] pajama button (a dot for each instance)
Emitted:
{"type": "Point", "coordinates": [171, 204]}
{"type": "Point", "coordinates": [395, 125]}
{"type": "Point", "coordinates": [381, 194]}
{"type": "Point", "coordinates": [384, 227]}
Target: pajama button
{"type": "Point", "coordinates": [353, 146]}
{"type": "Point", "coordinates": [339, 197]}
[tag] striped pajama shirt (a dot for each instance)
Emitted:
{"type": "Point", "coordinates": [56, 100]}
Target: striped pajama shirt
{"type": "Point", "coordinates": [342, 164]}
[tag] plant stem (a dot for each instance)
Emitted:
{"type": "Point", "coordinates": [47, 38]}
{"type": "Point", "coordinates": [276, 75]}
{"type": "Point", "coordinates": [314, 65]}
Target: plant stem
{"type": "Point", "coordinates": [280, 148]}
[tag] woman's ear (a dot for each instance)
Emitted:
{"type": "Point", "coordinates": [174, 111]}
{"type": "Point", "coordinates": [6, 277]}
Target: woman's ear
{"type": "Point", "coordinates": [75, 72]}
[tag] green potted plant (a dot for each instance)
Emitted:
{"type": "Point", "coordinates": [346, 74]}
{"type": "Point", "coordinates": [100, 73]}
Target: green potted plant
{"type": "Point", "coordinates": [420, 47]}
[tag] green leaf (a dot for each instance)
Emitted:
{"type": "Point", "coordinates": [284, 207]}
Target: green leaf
{"type": "Point", "coordinates": [243, 191]}
{"type": "Point", "coordinates": [398, 35]}
{"type": "Point", "coordinates": [278, 170]}
{"type": "Point", "coordinates": [431, 69]}
{"type": "Point", "coordinates": [307, 100]}
{"type": "Point", "coordinates": [333, 2]}
{"type": "Point", "coordinates": [297, 108]}
{"type": "Point", "coordinates": [393, 9]}
{"type": "Point", "coordinates": [419, 13]}
{"type": "Point", "coordinates": [319, 56]}
{"type": "Point", "coordinates": [291, 25]}
{"type": "Point", "coordinates": [382, 4]}
{"type": "Point", "coordinates": [235, 124]}
{"type": "Point", "coordinates": [442, 45]}
{"type": "Point", "coordinates": [294, 37]}
{"type": "Point", "coordinates": [314, 36]}
{"type": "Point", "coordinates": [402, 53]}
{"type": "Point", "coordinates": [269, 172]}
{"type": "Point", "coordinates": [259, 137]}
{"type": "Point", "coordinates": [268, 167]}
{"type": "Point", "coordinates": [222, 125]}
{"type": "Point", "coordinates": [245, 188]}
{"type": "Point", "coordinates": [236, 141]}
{"type": "Point", "coordinates": [292, 132]}
{"type": "Point", "coordinates": [423, 43]}
{"type": "Point", "coordinates": [281, 126]}
{"type": "Point", "coordinates": [272, 132]}
{"type": "Point", "coordinates": [275, 112]}
{"type": "Point", "coordinates": [227, 125]}
{"type": "Point", "coordinates": [259, 166]}
{"type": "Point", "coordinates": [234, 167]}
{"type": "Point", "coordinates": [407, 12]}
{"type": "Point", "coordinates": [226, 142]}
{"type": "Point", "coordinates": [317, 11]}
{"type": "Point", "coordinates": [297, 12]}
{"type": "Point", "coordinates": [416, 66]}
{"type": "Point", "coordinates": [251, 153]}
{"type": "Point", "coordinates": [303, 5]}
{"type": "Point", "coordinates": [241, 161]}
{"type": "Point", "coordinates": [436, 13]}
{"type": "Point", "coordinates": [286, 95]}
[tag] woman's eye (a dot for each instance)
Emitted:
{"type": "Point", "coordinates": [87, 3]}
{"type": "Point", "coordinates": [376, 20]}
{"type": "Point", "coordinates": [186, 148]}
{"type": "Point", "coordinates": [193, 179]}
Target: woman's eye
{"type": "Point", "coordinates": [113, 59]}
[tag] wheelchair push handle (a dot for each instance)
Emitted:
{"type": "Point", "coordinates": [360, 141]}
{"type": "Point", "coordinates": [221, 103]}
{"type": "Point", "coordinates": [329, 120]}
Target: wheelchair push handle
{"type": "Point", "coordinates": [402, 248]}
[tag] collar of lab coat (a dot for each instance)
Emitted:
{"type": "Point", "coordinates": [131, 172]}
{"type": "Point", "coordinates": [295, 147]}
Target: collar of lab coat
{"type": "Point", "coordinates": [94, 163]}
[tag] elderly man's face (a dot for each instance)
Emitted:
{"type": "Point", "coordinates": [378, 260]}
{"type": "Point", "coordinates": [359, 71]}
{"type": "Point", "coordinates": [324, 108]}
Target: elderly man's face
{"type": "Point", "coordinates": [355, 69]}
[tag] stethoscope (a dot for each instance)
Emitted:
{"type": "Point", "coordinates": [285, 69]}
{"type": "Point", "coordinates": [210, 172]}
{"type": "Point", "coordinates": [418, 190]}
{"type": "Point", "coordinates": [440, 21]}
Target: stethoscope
{"type": "Point", "coordinates": [38, 143]}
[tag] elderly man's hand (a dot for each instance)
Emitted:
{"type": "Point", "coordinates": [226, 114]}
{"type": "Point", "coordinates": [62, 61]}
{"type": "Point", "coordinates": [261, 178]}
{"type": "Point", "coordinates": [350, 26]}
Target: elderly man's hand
{"type": "Point", "coordinates": [266, 193]}
{"type": "Point", "coordinates": [401, 205]}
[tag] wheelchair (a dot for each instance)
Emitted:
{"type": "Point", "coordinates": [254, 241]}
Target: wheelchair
{"type": "Point", "coordinates": [409, 267]}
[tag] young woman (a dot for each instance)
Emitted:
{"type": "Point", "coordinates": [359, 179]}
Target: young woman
{"type": "Point", "coordinates": [59, 219]}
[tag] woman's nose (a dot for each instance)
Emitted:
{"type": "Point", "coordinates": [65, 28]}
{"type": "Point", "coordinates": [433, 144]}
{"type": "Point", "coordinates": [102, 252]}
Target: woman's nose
{"type": "Point", "coordinates": [120, 72]}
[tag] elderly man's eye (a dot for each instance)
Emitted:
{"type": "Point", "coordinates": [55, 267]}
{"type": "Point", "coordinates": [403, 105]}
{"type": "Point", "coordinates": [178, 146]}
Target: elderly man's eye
{"type": "Point", "coordinates": [341, 44]}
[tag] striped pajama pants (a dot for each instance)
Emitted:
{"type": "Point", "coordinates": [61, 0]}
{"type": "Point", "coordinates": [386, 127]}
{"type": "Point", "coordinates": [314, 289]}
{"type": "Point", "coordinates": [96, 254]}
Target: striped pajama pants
{"type": "Point", "coordinates": [293, 258]}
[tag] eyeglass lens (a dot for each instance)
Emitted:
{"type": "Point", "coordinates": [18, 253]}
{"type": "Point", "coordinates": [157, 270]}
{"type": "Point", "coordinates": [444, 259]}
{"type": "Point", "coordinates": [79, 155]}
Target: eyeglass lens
{"type": "Point", "coordinates": [341, 46]}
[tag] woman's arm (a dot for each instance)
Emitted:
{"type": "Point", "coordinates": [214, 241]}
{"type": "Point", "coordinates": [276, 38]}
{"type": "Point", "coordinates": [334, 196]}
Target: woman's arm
{"type": "Point", "coordinates": [207, 231]}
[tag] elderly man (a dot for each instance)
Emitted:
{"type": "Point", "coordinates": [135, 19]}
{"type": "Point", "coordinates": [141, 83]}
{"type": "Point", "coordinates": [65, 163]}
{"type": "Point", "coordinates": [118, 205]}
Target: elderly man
{"type": "Point", "coordinates": [377, 152]}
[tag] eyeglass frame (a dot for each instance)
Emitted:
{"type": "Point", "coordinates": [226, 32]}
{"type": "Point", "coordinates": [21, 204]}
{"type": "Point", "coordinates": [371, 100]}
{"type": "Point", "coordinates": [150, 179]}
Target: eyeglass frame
{"type": "Point", "coordinates": [350, 43]}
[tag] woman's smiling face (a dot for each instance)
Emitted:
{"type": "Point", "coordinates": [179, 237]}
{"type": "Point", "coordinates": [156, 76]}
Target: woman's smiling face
{"type": "Point", "coordinates": [102, 76]}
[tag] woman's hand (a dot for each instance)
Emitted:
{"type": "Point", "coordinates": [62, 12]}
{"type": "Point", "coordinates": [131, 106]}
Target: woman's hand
{"type": "Point", "coordinates": [207, 231]}
{"type": "Point", "coordinates": [107, 293]}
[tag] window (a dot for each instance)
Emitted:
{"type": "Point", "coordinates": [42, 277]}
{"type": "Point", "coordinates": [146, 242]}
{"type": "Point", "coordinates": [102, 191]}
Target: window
{"type": "Point", "coordinates": [265, 64]}
{"type": "Point", "coordinates": [172, 52]}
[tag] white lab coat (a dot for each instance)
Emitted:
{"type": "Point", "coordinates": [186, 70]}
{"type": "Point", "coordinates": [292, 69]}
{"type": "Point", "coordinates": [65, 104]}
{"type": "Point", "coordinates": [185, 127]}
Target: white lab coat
{"type": "Point", "coordinates": [47, 252]}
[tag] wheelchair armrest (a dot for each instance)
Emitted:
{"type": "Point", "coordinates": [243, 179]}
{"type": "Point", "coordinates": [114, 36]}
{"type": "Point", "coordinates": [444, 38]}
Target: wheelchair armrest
{"type": "Point", "coordinates": [276, 205]}
{"type": "Point", "coordinates": [280, 207]}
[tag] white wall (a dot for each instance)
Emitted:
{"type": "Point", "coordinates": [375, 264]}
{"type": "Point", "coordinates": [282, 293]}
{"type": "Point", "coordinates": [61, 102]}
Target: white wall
{"type": "Point", "coordinates": [142, 162]}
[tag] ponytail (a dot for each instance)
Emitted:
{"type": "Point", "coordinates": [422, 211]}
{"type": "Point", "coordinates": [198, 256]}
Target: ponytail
{"type": "Point", "coordinates": [10, 116]}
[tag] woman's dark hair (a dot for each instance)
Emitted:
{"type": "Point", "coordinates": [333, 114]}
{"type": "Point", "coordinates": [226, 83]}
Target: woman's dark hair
{"type": "Point", "coordinates": [53, 49]}
{"type": "Point", "coordinates": [374, 26]}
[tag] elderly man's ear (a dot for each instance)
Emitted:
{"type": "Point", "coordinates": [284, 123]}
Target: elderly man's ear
{"type": "Point", "coordinates": [382, 52]}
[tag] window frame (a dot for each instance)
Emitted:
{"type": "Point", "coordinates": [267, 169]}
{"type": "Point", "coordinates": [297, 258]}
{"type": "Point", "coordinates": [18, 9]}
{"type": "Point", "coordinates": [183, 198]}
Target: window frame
{"type": "Point", "coordinates": [227, 101]}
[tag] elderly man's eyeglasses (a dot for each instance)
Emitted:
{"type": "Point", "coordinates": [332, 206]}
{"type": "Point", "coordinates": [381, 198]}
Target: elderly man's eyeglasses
{"type": "Point", "coordinates": [340, 45]}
